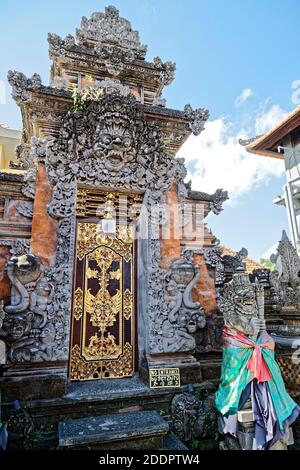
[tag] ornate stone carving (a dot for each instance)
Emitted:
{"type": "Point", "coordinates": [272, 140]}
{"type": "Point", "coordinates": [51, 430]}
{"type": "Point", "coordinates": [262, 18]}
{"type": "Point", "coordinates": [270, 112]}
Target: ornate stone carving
{"type": "Point", "coordinates": [113, 85]}
{"type": "Point", "coordinates": [213, 258]}
{"type": "Point", "coordinates": [167, 70]}
{"type": "Point", "coordinates": [289, 261]}
{"type": "Point", "coordinates": [110, 28]}
{"type": "Point", "coordinates": [21, 85]}
{"type": "Point", "coordinates": [215, 200]}
{"type": "Point", "coordinates": [246, 142]}
{"type": "Point", "coordinates": [24, 158]}
{"type": "Point", "coordinates": [18, 246]}
{"type": "Point", "coordinates": [242, 304]}
{"type": "Point", "coordinates": [232, 263]}
{"type": "Point", "coordinates": [80, 155]}
{"type": "Point", "coordinates": [159, 101]}
{"type": "Point", "coordinates": [287, 272]}
{"type": "Point", "coordinates": [27, 332]}
{"type": "Point", "coordinates": [57, 44]}
{"type": "Point", "coordinates": [262, 275]}
{"type": "Point", "coordinates": [98, 151]}
{"type": "Point", "coordinates": [197, 118]}
{"type": "Point", "coordinates": [25, 208]}
{"type": "Point", "coordinates": [218, 199]}
{"type": "Point", "coordinates": [193, 416]}
{"type": "Point", "coordinates": [28, 188]}
{"type": "Point", "coordinates": [21, 270]}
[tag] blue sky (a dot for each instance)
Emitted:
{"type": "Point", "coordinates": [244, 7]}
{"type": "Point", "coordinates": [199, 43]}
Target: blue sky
{"type": "Point", "coordinates": [221, 48]}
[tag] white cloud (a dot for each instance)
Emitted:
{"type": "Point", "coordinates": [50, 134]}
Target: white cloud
{"type": "Point", "coordinates": [215, 159]}
{"type": "Point", "coordinates": [270, 251]}
{"type": "Point", "coordinates": [267, 119]}
{"type": "Point", "coordinates": [246, 93]}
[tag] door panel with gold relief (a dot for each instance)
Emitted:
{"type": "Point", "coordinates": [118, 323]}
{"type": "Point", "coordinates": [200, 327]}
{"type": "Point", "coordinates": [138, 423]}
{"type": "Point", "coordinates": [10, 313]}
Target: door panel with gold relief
{"type": "Point", "coordinates": [103, 320]}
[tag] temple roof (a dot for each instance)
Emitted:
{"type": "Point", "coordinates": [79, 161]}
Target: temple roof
{"type": "Point", "coordinates": [106, 47]}
{"type": "Point", "coordinates": [267, 144]}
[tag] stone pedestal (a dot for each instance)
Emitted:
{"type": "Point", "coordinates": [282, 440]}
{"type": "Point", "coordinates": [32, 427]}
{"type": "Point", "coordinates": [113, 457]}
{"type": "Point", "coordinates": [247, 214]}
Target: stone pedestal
{"type": "Point", "coordinates": [189, 367]}
{"type": "Point", "coordinates": [33, 382]}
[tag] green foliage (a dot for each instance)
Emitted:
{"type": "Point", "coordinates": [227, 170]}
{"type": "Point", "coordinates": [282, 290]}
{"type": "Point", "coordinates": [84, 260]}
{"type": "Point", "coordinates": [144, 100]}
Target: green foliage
{"type": "Point", "coordinates": [81, 98]}
{"type": "Point", "coordinates": [267, 263]}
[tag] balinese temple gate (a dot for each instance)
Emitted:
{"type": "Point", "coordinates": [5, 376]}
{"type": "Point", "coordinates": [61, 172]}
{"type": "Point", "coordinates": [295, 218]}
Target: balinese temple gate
{"type": "Point", "coordinates": [113, 291]}
{"type": "Point", "coordinates": [99, 283]}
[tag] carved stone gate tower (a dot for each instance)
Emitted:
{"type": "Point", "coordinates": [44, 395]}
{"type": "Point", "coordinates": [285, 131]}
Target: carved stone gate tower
{"type": "Point", "coordinates": [94, 296]}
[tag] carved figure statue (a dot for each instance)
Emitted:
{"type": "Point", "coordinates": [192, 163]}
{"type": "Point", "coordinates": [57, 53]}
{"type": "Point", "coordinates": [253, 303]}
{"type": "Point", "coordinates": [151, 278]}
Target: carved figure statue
{"type": "Point", "coordinates": [193, 416]}
{"type": "Point", "coordinates": [24, 323]}
{"type": "Point", "coordinates": [249, 369]}
{"type": "Point", "coordinates": [286, 277]}
{"type": "Point", "coordinates": [242, 304]}
{"type": "Point", "coordinates": [40, 298]}
{"type": "Point", "coordinates": [185, 315]}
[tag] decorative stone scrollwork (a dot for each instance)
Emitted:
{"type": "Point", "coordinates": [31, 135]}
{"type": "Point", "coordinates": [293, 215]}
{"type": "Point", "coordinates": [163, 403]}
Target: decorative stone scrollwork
{"type": "Point", "coordinates": [57, 44]}
{"type": "Point", "coordinates": [111, 135]}
{"type": "Point", "coordinates": [213, 258]}
{"type": "Point", "coordinates": [232, 263]}
{"type": "Point", "coordinates": [218, 199]}
{"type": "Point", "coordinates": [286, 278]}
{"type": "Point", "coordinates": [17, 246]}
{"type": "Point", "coordinates": [25, 208]}
{"type": "Point", "coordinates": [21, 85]}
{"type": "Point", "coordinates": [197, 118]}
{"type": "Point", "coordinates": [167, 70]}
{"type": "Point", "coordinates": [109, 27]}
{"type": "Point", "coordinates": [246, 142]}
{"type": "Point", "coordinates": [159, 101]}
{"type": "Point", "coordinates": [24, 158]}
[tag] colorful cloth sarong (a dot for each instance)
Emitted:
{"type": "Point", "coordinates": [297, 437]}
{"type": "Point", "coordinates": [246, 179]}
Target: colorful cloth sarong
{"type": "Point", "coordinates": [249, 369]}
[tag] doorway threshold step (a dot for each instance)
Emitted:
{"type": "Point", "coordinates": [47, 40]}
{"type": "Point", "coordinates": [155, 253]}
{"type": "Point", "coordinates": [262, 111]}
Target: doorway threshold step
{"type": "Point", "coordinates": [131, 430]}
{"type": "Point", "coordinates": [106, 389]}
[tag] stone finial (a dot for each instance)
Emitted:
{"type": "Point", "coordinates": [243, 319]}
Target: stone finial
{"type": "Point", "coordinates": [218, 198]}
{"type": "Point", "coordinates": [22, 86]}
{"type": "Point", "coordinates": [246, 142]}
{"type": "Point", "coordinates": [197, 118]}
{"type": "Point", "coordinates": [167, 70]}
{"type": "Point", "coordinates": [110, 28]}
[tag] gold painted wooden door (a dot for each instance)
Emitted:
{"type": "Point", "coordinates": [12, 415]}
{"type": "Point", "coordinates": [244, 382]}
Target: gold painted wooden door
{"type": "Point", "coordinates": [103, 320]}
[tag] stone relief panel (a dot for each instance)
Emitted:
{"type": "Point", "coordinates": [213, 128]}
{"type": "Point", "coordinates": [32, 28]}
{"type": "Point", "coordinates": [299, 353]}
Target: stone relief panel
{"type": "Point", "coordinates": [185, 316]}
{"type": "Point", "coordinates": [194, 415]}
{"type": "Point", "coordinates": [25, 328]}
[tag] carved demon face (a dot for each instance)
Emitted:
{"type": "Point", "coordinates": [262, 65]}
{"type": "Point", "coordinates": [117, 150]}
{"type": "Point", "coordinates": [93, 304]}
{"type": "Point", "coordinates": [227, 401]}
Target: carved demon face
{"type": "Point", "coordinates": [244, 300]}
{"type": "Point", "coordinates": [17, 326]}
{"type": "Point", "coordinates": [114, 142]}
